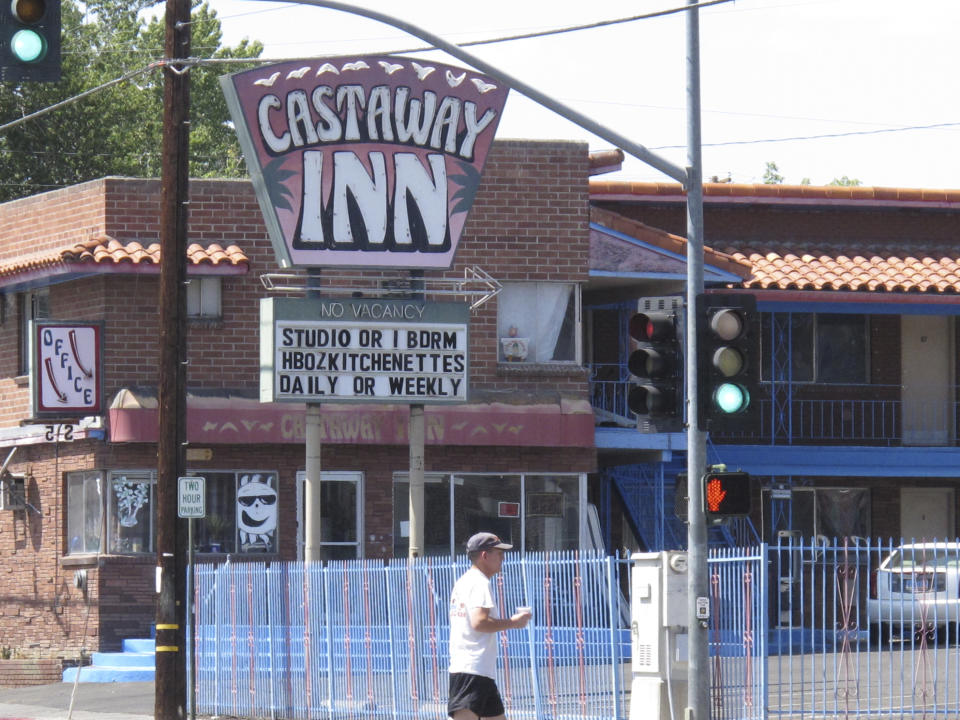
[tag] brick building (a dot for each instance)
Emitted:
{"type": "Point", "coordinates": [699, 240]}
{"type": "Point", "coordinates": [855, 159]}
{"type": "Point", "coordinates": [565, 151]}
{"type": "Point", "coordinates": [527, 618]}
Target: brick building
{"type": "Point", "coordinates": [77, 548]}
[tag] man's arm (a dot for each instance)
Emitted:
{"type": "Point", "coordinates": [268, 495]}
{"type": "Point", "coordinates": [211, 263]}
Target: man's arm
{"type": "Point", "coordinates": [481, 621]}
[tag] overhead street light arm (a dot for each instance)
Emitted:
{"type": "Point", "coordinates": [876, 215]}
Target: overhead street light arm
{"type": "Point", "coordinates": [628, 146]}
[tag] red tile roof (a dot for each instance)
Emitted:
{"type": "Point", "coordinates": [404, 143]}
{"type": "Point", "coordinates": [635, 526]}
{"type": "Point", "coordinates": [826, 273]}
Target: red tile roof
{"type": "Point", "coordinates": [917, 266]}
{"type": "Point", "coordinates": [601, 189]}
{"type": "Point", "coordinates": [103, 253]}
{"type": "Point", "coordinates": [828, 266]}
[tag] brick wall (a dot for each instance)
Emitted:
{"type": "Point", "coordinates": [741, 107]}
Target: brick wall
{"type": "Point", "coordinates": [22, 673]}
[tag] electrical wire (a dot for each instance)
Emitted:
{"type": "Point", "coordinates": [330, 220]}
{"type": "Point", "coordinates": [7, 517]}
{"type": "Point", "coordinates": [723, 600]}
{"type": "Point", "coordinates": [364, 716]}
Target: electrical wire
{"type": "Point", "coordinates": [822, 136]}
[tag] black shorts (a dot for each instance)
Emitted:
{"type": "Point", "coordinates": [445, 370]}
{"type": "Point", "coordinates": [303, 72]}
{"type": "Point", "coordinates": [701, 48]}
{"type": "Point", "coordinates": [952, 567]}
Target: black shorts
{"type": "Point", "coordinates": [476, 693]}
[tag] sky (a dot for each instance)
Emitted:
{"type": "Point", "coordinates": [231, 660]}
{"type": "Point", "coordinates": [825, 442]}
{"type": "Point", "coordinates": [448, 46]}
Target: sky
{"type": "Point", "coordinates": [823, 88]}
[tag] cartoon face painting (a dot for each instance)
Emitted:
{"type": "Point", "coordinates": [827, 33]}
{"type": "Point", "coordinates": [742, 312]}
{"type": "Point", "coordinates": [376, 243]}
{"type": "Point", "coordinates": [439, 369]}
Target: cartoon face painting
{"type": "Point", "coordinates": [256, 512]}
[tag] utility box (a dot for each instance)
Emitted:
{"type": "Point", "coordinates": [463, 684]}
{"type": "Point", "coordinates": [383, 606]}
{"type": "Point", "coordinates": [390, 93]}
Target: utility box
{"type": "Point", "coordinates": [659, 633]}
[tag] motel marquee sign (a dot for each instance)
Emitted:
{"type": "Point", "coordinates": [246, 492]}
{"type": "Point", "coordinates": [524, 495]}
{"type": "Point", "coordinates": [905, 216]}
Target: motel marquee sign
{"type": "Point", "coordinates": [370, 161]}
{"type": "Point", "coordinates": [363, 350]}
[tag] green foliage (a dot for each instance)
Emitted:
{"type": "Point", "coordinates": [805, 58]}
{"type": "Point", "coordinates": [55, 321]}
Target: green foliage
{"type": "Point", "coordinates": [845, 182]}
{"type": "Point", "coordinates": [116, 131]}
{"type": "Point", "coordinates": [772, 176]}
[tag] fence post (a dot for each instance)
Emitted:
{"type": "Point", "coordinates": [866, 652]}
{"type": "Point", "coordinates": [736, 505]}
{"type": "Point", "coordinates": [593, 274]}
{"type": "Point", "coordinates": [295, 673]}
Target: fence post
{"type": "Point", "coordinates": [531, 643]}
{"type": "Point", "coordinates": [613, 617]}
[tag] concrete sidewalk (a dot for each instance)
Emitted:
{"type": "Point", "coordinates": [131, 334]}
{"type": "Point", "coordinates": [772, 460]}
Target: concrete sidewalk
{"type": "Point", "coordinates": [93, 701]}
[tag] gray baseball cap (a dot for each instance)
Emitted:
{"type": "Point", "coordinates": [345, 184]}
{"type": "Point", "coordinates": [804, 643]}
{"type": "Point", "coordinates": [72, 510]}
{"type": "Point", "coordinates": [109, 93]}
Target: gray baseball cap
{"type": "Point", "coordinates": [486, 541]}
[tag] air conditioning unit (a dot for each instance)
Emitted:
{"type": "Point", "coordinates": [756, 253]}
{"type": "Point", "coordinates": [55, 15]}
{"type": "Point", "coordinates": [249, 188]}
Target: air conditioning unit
{"type": "Point", "coordinates": [13, 492]}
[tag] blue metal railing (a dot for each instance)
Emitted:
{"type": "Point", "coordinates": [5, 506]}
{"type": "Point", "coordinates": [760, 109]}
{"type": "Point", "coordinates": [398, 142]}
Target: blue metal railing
{"type": "Point", "coordinates": [369, 638]}
{"type": "Point", "coordinates": [871, 414]}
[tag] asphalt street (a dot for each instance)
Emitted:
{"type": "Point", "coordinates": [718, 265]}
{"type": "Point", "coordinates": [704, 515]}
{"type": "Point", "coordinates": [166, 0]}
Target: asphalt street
{"type": "Point", "coordinates": [93, 701]}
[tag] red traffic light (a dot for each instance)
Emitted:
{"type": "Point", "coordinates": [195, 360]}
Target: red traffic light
{"type": "Point", "coordinates": [726, 494]}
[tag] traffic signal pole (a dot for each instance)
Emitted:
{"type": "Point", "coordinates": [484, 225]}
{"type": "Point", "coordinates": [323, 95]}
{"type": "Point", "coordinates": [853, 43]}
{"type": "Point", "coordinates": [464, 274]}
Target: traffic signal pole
{"type": "Point", "coordinates": [698, 687]}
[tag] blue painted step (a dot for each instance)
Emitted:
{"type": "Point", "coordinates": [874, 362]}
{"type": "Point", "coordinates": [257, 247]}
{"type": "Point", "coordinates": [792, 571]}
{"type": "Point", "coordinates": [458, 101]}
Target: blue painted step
{"type": "Point", "coordinates": [137, 663]}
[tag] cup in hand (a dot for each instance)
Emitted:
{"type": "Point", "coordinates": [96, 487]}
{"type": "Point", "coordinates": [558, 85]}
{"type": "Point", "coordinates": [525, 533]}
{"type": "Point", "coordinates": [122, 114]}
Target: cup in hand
{"type": "Point", "coordinates": [524, 609]}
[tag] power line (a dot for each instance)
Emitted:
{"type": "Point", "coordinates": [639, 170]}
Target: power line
{"type": "Point", "coordinates": [823, 136]}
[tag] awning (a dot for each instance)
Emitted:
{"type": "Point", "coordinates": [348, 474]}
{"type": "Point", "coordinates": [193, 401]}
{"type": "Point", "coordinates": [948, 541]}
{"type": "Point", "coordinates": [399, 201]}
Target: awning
{"type": "Point", "coordinates": [228, 420]}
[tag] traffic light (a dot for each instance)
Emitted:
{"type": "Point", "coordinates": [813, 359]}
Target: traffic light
{"type": "Point", "coordinates": [726, 494]}
{"type": "Point", "coordinates": [656, 362]}
{"type": "Point", "coordinates": [728, 363]}
{"type": "Point", "coordinates": [29, 41]}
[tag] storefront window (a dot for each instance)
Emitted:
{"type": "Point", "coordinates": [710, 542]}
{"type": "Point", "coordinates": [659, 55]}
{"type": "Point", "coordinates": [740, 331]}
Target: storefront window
{"type": "Point", "coordinates": [532, 512]}
{"type": "Point", "coordinates": [242, 511]}
{"type": "Point", "coordinates": [130, 512]}
{"type": "Point", "coordinates": [84, 512]}
{"type": "Point", "coordinates": [436, 510]}
{"type": "Point", "coordinates": [550, 510]}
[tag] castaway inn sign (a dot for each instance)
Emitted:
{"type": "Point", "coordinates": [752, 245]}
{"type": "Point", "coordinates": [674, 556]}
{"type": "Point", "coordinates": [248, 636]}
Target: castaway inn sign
{"type": "Point", "coordinates": [363, 350]}
{"type": "Point", "coordinates": [370, 161]}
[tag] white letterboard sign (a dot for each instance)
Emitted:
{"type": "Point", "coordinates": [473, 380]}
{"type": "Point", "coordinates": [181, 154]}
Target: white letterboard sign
{"type": "Point", "coordinates": [363, 350]}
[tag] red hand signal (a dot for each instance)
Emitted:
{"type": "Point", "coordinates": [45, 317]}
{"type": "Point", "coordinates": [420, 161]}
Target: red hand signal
{"type": "Point", "coordinates": [715, 494]}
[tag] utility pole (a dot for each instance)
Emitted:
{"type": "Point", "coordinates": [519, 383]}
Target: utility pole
{"type": "Point", "coordinates": [170, 685]}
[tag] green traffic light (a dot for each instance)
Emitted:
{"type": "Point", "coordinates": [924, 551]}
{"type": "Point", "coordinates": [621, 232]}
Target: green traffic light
{"type": "Point", "coordinates": [731, 398]}
{"type": "Point", "coordinates": [28, 45]}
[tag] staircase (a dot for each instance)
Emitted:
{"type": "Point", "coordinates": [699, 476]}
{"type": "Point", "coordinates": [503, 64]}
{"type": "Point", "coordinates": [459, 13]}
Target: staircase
{"type": "Point", "coordinates": [137, 663]}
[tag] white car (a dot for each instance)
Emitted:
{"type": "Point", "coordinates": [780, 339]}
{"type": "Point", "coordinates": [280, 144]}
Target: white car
{"type": "Point", "coordinates": [916, 589]}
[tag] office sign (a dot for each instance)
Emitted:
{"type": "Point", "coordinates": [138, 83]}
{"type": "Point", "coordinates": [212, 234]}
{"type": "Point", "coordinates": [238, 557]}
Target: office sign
{"type": "Point", "coordinates": [369, 161]}
{"type": "Point", "coordinates": [66, 369]}
{"type": "Point", "coordinates": [361, 350]}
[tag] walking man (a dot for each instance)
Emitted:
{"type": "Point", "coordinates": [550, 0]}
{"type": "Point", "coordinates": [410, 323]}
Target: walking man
{"type": "Point", "coordinates": [473, 626]}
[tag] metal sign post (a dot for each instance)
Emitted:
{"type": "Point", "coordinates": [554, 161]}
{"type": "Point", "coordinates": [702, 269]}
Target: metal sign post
{"type": "Point", "coordinates": [191, 504]}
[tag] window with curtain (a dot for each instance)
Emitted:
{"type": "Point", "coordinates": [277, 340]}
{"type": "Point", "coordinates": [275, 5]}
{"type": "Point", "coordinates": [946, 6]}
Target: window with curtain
{"type": "Point", "coordinates": [84, 512]}
{"type": "Point", "coordinates": [537, 322]}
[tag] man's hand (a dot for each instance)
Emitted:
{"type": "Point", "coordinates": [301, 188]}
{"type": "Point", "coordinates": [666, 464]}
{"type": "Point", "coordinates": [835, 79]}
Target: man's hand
{"type": "Point", "coordinates": [520, 619]}
{"type": "Point", "coordinates": [481, 621]}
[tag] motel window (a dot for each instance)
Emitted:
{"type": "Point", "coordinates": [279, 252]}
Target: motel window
{"type": "Point", "coordinates": [84, 512]}
{"type": "Point", "coordinates": [533, 512]}
{"type": "Point", "coordinates": [34, 305]}
{"type": "Point", "coordinates": [821, 348]}
{"type": "Point", "coordinates": [537, 322]}
{"type": "Point", "coordinates": [203, 298]}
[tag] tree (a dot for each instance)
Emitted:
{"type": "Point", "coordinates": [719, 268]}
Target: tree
{"type": "Point", "coordinates": [845, 182]}
{"type": "Point", "coordinates": [116, 131]}
{"type": "Point", "coordinates": [772, 176]}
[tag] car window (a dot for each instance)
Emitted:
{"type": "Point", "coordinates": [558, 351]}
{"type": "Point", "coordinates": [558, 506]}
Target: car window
{"type": "Point", "coordinates": [908, 558]}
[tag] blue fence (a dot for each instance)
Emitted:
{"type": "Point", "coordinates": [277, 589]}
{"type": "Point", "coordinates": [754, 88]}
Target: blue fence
{"type": "Point", "coordinates": [369, 638]}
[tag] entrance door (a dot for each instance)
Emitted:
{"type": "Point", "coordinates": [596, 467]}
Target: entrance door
{"type": "Point", "coordinates": [927, 373]}
{"type": "Point", "coordinates": [341, 521]}
{"type": "Point", "coordinates": [926, 514]}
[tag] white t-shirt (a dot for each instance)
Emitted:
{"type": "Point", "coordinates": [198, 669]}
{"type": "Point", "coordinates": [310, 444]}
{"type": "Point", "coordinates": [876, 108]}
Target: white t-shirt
{"type": "Point", "coordinates": [471, 651]}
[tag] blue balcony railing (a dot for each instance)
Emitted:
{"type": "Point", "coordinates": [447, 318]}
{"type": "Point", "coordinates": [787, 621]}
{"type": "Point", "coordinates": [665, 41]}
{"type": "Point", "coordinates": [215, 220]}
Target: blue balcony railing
{"type": "Point", "coordinates": [816, 413]}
